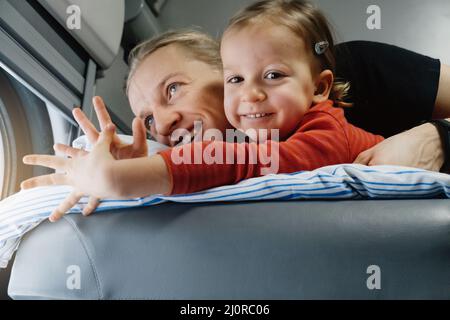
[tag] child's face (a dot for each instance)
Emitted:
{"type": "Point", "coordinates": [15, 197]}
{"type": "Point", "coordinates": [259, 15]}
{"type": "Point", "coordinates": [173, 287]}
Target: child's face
{"type": "Point", "coordinates": [268, 79]}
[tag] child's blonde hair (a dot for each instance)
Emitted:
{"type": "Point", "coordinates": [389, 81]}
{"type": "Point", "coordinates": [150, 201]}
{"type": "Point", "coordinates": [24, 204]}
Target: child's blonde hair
{"type": "Point", "coordinates": [199, 45]}
{"type": "Point", "coordinates": [306, 21]}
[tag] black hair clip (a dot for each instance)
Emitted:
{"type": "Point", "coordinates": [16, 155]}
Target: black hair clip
{"type": "Point", "coordinates": [321, 47]}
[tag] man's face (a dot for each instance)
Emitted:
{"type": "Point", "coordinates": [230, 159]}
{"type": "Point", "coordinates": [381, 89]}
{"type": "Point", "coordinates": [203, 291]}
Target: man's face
{"type": "Point", "coordinates": [170, 90]}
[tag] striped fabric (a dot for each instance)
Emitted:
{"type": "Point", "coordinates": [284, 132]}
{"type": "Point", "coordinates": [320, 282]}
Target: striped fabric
{"type": "Point", "coordinates": [23, 211]}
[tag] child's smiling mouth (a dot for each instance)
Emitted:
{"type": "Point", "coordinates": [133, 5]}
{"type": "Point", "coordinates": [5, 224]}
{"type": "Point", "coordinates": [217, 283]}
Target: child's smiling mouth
{"type": "Point", "coordinates": [256, 116]}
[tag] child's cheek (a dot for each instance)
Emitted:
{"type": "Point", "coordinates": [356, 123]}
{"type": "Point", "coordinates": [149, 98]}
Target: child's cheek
{"type": "Point", "coordinates": [291, 110]}
{"type": "Point", "coordinates": [231, 108]}
{"type": "Point", "coordinates": [293, 105]}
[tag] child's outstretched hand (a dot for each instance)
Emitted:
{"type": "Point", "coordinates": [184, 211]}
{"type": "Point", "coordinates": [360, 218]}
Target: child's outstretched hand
{"type": "Point", "coordinates": [88, 173]}
{"type": "Point", "coordinates": [118, 149]}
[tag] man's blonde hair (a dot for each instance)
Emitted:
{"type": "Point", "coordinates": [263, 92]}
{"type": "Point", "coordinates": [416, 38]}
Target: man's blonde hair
{"type": "Point", "coordinates": [198, 44]}
{"type": "Point", "coordinates": [304, 20]}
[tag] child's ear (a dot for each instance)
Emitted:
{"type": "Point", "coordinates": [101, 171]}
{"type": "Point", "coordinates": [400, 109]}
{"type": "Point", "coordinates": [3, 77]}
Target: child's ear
{"type": "Point", "coordinates": [324, 84]}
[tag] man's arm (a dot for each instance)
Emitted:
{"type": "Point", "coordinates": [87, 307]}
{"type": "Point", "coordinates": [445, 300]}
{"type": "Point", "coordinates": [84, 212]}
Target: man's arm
{"type": "Point", "coordinates": [420, 146]}
{"type": "Point", "coordinates": [442, 105]}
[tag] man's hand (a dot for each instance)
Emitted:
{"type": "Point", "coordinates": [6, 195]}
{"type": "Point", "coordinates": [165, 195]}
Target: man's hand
{"type": "Point", "coordinates": [88, 173]}
{"type": "Point", "coordinates": [419, 147]}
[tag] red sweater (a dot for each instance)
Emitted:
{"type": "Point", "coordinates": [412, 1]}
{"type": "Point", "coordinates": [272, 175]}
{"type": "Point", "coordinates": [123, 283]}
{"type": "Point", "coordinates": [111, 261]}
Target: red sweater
{"type": "Point", "coordinates": [323, 137]}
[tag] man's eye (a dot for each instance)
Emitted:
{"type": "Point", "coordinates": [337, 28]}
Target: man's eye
{"type": "Point", "coordinates": [235, 80]}
{"type": "Point", "coordinates": [273, 75]}
{"type": "Point", "coordinates": [149, 120]}
{"type": "Point", "coordinates": [172, 89]}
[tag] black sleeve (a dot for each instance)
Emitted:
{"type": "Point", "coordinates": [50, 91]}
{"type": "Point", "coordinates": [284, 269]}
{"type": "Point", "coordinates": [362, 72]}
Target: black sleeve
{"type": "Point", "coordinates": [392, 89]}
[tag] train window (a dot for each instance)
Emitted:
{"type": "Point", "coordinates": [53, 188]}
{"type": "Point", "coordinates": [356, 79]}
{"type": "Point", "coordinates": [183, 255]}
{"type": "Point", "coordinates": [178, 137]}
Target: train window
{"type": "Point", "coordinates": [28, 124]}
{"type": "Point", "coordinates": [2, 160]}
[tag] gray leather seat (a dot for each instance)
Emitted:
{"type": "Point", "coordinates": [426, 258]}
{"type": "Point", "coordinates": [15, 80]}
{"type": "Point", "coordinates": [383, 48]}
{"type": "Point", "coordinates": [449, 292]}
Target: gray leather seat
{"type": "Point", "coordinates": [260, 250]}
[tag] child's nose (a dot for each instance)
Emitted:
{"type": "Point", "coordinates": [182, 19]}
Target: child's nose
{"type": "Point", "coordinates": [253, 94]}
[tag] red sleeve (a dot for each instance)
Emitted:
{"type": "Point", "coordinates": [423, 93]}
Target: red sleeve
{"type": "Point", "coordinates": [320, 140]}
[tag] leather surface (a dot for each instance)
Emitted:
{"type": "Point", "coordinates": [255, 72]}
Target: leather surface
{"type": "Point", "coordinates": [260, 250]}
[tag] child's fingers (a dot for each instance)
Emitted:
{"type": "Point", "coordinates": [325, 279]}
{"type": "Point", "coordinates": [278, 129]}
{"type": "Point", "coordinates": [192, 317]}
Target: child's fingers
{"type": "Point", "coordinates": [45, 180]}
{"type": "Point", "coordinates": [91, 206]}
{"type": "Point", "coordinates": [44, 160]}
{"type": "Point", "coordinates": [107, 134]}
{"type": "Point", "coordinates": [70, 201]}
{"type": "Point", "coordinates": [69, 151]}
{"type": "Point", "coordinates": [86, 125]}
{"type": "Point", "coordinates": [102, 113]}
{"type": "Point", "coordinates": [103, 116]}
{"type": "Point", "coordinates": [139, 134]}
{"type": "Point", "coordinates": [105, 140]}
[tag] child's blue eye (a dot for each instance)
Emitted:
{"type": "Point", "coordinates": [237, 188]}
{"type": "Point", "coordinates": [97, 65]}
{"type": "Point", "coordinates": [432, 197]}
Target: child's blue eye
{"type": "Point", "coordinates": [235, 80]}
{"type": "Point", "coordinates": [273, 75]}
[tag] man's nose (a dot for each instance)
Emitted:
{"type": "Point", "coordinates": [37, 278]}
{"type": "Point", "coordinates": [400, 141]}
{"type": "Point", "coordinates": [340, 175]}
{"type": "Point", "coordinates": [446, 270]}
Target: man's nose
{"type": "Point", "coordinates": [253, 93]}
{"type": "Point", "coordinates": [165, 120]}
